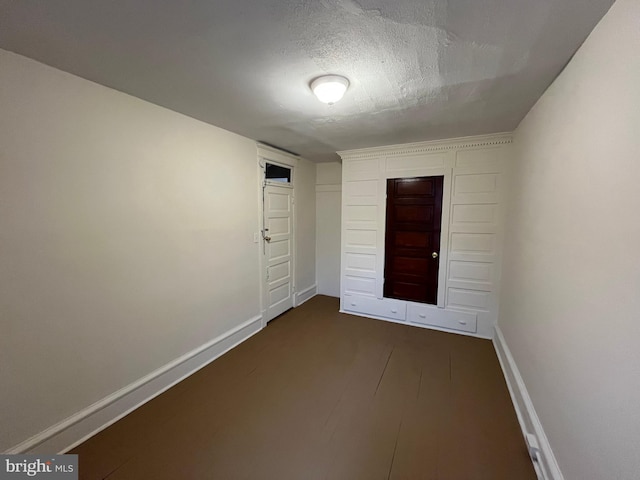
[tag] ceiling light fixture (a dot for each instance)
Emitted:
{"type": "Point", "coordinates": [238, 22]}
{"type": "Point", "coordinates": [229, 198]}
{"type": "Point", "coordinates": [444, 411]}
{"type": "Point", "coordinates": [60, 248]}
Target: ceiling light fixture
{"type": "Point", "coordinates": [329, 88]}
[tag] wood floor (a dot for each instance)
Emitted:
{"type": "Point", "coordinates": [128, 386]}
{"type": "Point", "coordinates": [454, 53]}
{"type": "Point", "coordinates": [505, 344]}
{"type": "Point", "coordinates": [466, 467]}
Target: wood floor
{"type": "Point", "coordinates": [323, 395]}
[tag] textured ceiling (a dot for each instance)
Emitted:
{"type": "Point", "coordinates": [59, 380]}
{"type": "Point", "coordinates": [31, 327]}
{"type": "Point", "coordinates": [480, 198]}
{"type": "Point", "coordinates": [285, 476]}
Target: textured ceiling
{"type": "Point", "coordinates": [419, 69]}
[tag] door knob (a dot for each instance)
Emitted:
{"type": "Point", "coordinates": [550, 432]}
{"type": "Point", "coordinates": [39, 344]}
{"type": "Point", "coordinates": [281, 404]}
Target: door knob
{"type": "Point", "coordinates": [434, 254]}
{"type": "Point", "coordinates": [268, 239]}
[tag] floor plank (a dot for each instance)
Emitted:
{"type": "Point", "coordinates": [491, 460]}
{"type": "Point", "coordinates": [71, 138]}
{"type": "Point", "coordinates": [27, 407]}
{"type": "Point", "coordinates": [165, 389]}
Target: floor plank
{"type": "Point", "coordinates": [322, 395]}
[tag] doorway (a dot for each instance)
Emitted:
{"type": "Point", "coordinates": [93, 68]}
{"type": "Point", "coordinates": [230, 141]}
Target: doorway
{"type": "Point", "coordinates": [277, 239]}
{"type": "Point", "coordinates": [412, 238]}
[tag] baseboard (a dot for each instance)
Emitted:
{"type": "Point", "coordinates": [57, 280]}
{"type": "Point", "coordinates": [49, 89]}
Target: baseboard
{"type": "Point", "coordinates": [544, 461]}
{"type": "Point", "coordinates": [81, 426]}
{"type": "Point", "coordinates": [306, 294]}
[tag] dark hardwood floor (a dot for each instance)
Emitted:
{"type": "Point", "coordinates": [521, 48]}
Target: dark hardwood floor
{"type": "Point", "coordinates": [323, 395]}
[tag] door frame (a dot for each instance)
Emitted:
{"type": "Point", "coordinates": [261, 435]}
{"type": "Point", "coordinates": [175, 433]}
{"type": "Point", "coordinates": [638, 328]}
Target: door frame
{"type": "Point", "coordinates": [275, 157]}
{"type": "Point", "coordinates": [443, 271]}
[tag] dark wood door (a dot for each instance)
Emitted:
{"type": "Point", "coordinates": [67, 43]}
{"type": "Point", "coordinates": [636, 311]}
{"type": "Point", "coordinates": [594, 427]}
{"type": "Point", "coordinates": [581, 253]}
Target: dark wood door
{"type": "Point", "coordinates": [414, 213]}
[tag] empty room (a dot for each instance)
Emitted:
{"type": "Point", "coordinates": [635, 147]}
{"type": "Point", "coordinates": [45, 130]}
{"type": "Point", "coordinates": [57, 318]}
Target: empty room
{"type": "Point", "coordinates": [320, 239]}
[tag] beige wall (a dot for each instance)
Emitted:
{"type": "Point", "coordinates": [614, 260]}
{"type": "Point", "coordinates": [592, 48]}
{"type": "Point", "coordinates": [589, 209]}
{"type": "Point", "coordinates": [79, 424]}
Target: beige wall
{"type": "Point", "coordinates": [328, 221]}
{"type": "Point", "coordinates": [571, 286]}
{"type": "Point", "coordinates": [126, 240]}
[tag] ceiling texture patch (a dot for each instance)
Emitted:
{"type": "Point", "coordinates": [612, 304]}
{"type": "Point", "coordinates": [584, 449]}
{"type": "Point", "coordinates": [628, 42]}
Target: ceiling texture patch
{"type": "Point", "coordinates": [418, 69]}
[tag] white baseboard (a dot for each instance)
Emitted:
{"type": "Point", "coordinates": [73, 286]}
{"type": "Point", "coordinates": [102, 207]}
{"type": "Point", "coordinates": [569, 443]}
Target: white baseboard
{"type": "Point", "coordinates": [81, 426]}
{"type": "Point", "coordinates": [544, 461]}
{"type": "Point", "coordinates": [306, 294]}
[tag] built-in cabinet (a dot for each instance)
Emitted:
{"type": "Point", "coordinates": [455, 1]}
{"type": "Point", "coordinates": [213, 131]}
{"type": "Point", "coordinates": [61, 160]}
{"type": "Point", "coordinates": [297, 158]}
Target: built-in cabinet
{"type": "Point", "coordinates": [471, 232]}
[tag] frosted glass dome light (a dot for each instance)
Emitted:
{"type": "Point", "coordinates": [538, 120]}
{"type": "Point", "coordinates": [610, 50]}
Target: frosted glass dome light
{"type": "Point", "coordinates": [329, 88]}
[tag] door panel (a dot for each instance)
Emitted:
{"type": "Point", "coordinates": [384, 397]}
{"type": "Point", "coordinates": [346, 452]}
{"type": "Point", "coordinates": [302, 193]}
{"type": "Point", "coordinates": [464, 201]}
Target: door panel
{"type": "Point", "coordinates": [414, 215]}
{"type": "Point", "coordinates": [279, 272]}
{"type": "Point", "coordinates": [411, 266]}
{"type": "Point", "coordinates": [415, 188]}
{"type": "Point", "coordinates": [278, 238]}
{"type": "Point", "coordinates": [407, 290]}
{"type": "Point", "coordinates": [412, 239]}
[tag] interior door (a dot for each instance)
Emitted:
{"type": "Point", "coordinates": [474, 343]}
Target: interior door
{"type": "Point", "coordinates": [278, 254]}
{"type": "Point", "coordinates": [412, 239]}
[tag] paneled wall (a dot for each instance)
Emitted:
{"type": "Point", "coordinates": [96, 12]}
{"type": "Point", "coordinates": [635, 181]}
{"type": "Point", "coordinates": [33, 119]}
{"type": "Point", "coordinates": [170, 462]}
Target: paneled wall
{"type": "Point", "coordinates": [472, 211]}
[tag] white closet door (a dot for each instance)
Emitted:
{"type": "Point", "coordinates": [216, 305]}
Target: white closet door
{"type": "Point", "coordinates": [278, 238]}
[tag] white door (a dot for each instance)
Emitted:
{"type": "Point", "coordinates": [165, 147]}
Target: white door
{"type": "Point", "coordinates": [278, 249]}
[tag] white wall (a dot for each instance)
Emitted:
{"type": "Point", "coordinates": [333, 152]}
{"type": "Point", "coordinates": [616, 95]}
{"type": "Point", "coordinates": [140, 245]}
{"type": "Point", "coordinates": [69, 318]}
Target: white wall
{"type": "Point", "coordinates": [305, 211]}
{"type": "Point", "coordinates": [570, 309]}
{"type": "Point", "coordinates": [126, 240]}
{"type": "Point", "coordinates": [328, 215]}
{"type": "Point", "coordinates": [329, 173]}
